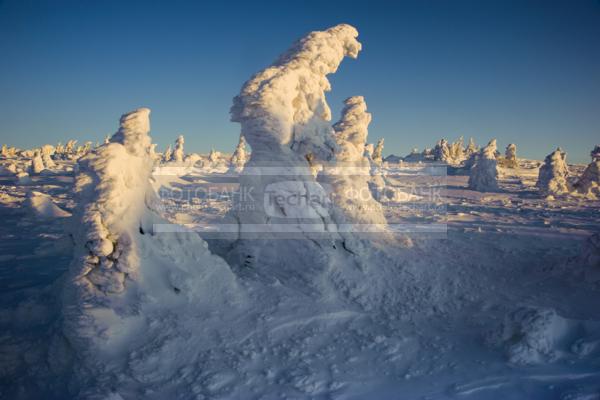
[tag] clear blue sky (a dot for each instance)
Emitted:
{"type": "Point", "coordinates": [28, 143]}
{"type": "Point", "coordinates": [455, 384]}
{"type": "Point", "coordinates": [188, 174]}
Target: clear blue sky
{"type": "Point", "coordinates": [526, 72]}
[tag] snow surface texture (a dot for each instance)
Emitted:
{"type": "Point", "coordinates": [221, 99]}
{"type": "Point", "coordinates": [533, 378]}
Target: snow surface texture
{"type": "Point", "coordinates": [552, 179]}
{"type": "Point", "coordinates": [484, 173]}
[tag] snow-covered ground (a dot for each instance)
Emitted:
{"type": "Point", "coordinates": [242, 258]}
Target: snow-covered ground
{"type": "Point", "coordinates": [500, 307]}
{"type": "Point", "coordinates": [312, 269]}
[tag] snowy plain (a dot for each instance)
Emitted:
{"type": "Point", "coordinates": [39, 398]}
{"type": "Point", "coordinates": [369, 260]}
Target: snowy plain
{"type": "Point", "coordinates": [116, 286]}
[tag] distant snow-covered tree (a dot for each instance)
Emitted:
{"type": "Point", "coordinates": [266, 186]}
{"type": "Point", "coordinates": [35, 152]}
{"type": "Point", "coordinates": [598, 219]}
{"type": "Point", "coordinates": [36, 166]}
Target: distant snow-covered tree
{"type": "Point", "coordinates": [239, 158]}
{"type": "Point", "coordinates": [589, 182]}
{"type": "Point", "coordinates": [47, 152]}
{"type": "Point", "coordinates": [178, 154]}
{"type": "Point", "coordinates": [484, 172]}
{"type": "Point", "coordinates": [168, 154]}
{"type": "Point", "coordinates": [37, 163]}
{"type": "Point", "coordinates": [510, 156]}
{"type": "Point", "coordinates": [552, 178]}
{"type": "Point", "coordinates": [378, 152]}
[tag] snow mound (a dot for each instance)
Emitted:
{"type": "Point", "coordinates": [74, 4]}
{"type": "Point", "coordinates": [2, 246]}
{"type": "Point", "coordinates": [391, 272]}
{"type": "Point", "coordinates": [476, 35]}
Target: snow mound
{"type": "Point", "coordinates": [41, 204]}
{"type": "Point", "coordinates": [531, 335]}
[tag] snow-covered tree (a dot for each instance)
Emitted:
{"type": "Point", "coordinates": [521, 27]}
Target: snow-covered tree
{"type": "Point", "coordinates": [70, 147]}
{"type": "Point", "coordinates": [349, 174]}
{"type": "Point", "coordinates": [441, 151]}
{"type": "Point", "coordinates": [37, 163]}
{"type": "Point", "coordinates": [214, 156]}
{"type": "Point", "coordinates": [552, 178]}
{"type": "Point", "coordinates": [178, 153]}
{"type": "Point", "coordinates": [471, 148]}
{"type": "Point", "coordinates": [484, 172]}
{"type": "Point", "coordinates": [168, 154]}
{"type": "Point", "coordinates": [59, 150]}
{"type": "Point", "coordinates": [4, 152]}
{"type": "Point", "coordinates": [510, 156]}
{"type": "Point", "coordinates": [377, 156]}
{"type": "Point", "coordinates": [107, 139]}
{"type": "Point", "coordinates": [47, 152]}
{"type": "Point", "coordinates": [285, 117]}
{"type": "Point", "coordinates": [457, 151]}
{"type": "Point", "coordinates": [238, 159]}
{"type": "Point", "coordinates": [589, 182]}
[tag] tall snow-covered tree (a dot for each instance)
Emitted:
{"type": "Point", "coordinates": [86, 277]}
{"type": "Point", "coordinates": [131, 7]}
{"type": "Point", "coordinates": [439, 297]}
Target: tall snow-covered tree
{"type": "Point", "coordinates": [510, 156]}
{"type": "Point", "coordinates": [178, 153]}
{"type": "Point", "coordinates": [552, 178]}
{"type": "Point", "coordinates": [239, 158]}
{"type": "Point", "coordinates": [589, 182]}
{"type": "Point", "coordinates": [484, 172]}
{"type": "Point", "coordinates": [378, 152]}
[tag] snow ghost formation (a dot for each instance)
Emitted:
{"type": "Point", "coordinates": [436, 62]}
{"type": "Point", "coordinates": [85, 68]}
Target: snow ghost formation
{"type": "Point", "coordinates": [378, 152]}
{"type": "Point", "coordinates": [214, 156]}
{"type": "Point", "coordinates": [589, 182]}
{"type": "Point", "coordinates": [441, 151]}
{"type": "Point", "coordinates": [552, 178]}
{"type": "Point", "coordinates": [349, 174]}
{"type": "Point", "coordinates": [124, 274]}
{"type": "Point", "coordinates": [47, 151]}
{"type": "Point", "coordinates": [484, 173]}
{"type": "Point", "coordinates": [238, 159]}
{"type": "Point", "coordinates": [511, 156]}
{"type": "Point", "coordinates": [457, 151]}
{"type": "Point", "coordinates": [471, 148]}
{"type": "Point", "coordinates": [4, 152]}
{"type": "Point", "coordinates": [284, 117]}
{"type": "Point", "coordinates": [178, 152]}
{"type": "Point", "coordinates": [111, 180]}
{"type": "Point", "coordinates": [37, 163]}
{"type": "Point", "coordinates": [168, 154]}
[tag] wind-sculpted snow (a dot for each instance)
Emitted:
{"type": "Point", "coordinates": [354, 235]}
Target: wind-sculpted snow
{"type": "Point", "coordinates": [484, 173]}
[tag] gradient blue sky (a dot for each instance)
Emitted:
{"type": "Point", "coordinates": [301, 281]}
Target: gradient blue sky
{"type": "Point", "coordinates": [526, 72]}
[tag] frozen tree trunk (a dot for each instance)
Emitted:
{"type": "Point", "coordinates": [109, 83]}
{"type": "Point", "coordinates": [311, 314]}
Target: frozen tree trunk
{"type": "Point", "coordinates": [589, 182]}
{"type": "Point", "coordinates": [552, 178]}
{"type": "Point", "coordinates": [178, 154]}
{"type": "Point", "coordinates": [484, 172]}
